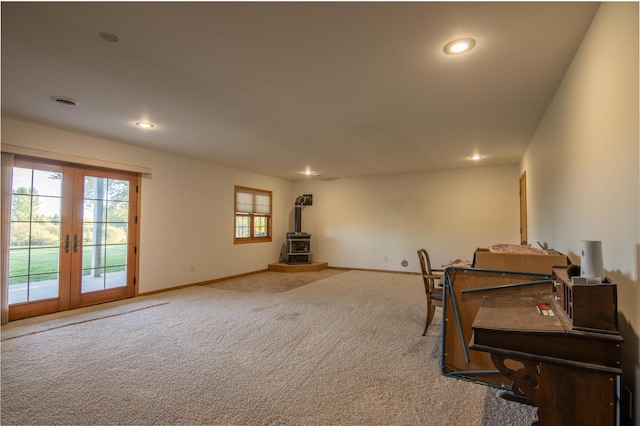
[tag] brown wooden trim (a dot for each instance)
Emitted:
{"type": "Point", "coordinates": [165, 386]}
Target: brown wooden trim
{"type": "Point", "coordinates": [213, 281]}
{"type": "Point", "coordinates": [76, 234]}
{"type": "Point", "coordinates": [66, 219]}
{"type": "Point", "coordinates": [251, 238]}
{"type": "Point", "coordinates": [386, 271]}
{"type": "Point", "coordinates": [6, 180]}
{"type": "Point", "coordinates": [60, 303]}
{"type": "Point", "coordinates": [217, 280]}
{"type": "Point", "coordinates": [71, 224]}
{"type": "Point", "coordinates": [137, 243]}
{"type": "Point", "coordinates": [522, 191]}
{"type": "Point", "coordinates": [132, 234]}
{"type": "Point", "coordinates": [32, 309]}
{"type": "Point", "coordinates": [102, 296]}
{"type": "Point", "coordinates": [79, 299]}
{"type": "Point", "coordinates": [306, 267]}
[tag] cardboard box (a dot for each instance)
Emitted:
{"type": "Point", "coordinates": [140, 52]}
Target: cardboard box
{"type": "Point", "coordinates": [485, 259]}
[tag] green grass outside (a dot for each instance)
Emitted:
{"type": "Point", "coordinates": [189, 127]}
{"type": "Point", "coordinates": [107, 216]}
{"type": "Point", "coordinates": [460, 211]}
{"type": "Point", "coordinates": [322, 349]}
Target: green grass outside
{"type": "Point", "coordinates": [45, 262]}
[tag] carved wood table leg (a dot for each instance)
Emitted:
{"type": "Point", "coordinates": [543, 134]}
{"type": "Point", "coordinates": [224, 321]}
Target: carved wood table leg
{"type": "Point", "coordinates": [525, 379]}
{"type": "Point", "coordinates": [564, 395]}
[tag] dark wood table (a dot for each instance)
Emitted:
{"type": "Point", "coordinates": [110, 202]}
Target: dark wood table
{"type": "Point", "coordinates": [572, 376]}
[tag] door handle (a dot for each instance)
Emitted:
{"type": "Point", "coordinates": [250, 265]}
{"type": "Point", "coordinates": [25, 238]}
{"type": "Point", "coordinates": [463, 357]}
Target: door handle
{"type": "Point", "coordinates": [66, 244]}
{"type": "Point", "coordinates": [75, 243]}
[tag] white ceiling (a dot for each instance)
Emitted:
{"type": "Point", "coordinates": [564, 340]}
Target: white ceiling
{"type": "Point", "coordinates": [345, 89]}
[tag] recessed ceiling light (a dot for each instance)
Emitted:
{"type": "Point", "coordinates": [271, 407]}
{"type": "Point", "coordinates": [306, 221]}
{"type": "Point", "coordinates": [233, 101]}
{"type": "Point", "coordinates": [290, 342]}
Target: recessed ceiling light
{"type": "Point", "coordinates": [144, 125]}
{"type": "Point", "coordinates": [460, 45]}
{"type": "Point", "coordinates": [310, 173]}
{"type": "Point", "coordinates": [476, 157]}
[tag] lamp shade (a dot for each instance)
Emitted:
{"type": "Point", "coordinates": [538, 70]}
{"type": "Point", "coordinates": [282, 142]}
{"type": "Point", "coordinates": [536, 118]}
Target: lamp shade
{"type": "Point", "coordinates": [592, 265]}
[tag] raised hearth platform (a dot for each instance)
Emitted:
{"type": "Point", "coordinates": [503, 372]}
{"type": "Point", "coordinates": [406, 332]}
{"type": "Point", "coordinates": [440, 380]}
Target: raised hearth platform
{"type": "Point", "coordinates": [308, 267]}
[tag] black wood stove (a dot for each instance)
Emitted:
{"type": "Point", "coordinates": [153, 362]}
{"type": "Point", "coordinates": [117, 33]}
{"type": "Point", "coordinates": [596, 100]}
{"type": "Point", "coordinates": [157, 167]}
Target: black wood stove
{"type": "Point", "coordinates": [298, 242]}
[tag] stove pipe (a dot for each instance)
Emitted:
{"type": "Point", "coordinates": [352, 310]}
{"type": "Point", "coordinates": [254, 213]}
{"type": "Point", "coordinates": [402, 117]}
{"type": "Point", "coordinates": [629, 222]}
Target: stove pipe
{"type": "Point", "coordinates": [298, 215]}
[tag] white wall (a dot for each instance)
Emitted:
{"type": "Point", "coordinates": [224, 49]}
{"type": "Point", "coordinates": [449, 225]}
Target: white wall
{"type": "Point", "coordinates": [187, 212]}
{"type": "Point", "coordinates": [187, 208]}
{"type": "Point", "coordinates": [377, 222]}
{"type": "Point", "coordinates": [582, 165]}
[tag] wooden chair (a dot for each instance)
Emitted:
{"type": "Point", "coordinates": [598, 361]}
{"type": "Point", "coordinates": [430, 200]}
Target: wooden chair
{"type": "Point", "coordinates": [431, 277]}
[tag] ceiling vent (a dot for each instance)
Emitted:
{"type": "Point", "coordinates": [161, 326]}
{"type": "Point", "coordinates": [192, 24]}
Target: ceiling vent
{"type": "Point", "coordinates": [61, 100]}
{"type": "Point", "coordinates": [111, 38]}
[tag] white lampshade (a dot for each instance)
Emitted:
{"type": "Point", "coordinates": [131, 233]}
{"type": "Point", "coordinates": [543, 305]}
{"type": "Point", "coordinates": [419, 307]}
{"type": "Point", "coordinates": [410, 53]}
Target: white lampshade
{"type": "Point", "coordinates": [592, 265]}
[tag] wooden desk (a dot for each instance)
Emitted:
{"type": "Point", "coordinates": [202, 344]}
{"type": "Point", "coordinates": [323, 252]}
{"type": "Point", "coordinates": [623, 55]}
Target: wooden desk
{"type": "Point", "coordinates": [464, 289]}
{"type": "Point", "coordinates": [572, 376]}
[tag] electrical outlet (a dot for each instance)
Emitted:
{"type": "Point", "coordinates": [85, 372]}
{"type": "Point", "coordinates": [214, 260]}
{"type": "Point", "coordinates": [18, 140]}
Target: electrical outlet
{"type": "Point", "coordinates": [193, 268]}
{"type": "Point", "coordinates": [386, 258]}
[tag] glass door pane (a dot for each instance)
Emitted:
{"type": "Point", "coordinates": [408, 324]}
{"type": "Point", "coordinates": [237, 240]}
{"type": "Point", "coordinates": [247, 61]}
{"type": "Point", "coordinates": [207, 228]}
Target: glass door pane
{"type": "Point", "coordinates": [72, 237]}
{"type": "Point", "coordinates": [35, 235]}
{"type": "Point", "coordinates": [104, 233]}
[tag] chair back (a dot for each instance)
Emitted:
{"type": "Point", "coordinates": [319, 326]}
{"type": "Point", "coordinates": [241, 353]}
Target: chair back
{"type": "Point", "coordinates": [425, 265]}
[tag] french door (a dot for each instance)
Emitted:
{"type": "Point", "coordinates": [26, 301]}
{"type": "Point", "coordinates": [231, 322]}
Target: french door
{"type": "Point", "coordinates": [73, 234]}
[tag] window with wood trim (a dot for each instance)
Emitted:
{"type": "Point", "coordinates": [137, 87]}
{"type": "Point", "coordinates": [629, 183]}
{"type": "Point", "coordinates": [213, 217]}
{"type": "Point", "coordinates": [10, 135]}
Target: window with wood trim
{"type": "Point", "coordinates": [252, 215]}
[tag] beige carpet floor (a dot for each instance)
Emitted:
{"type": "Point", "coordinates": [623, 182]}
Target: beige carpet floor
{"type": "Point", "coordinates": [274, 282]}
{"type": "Point", "coordinates": [343, 350]}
